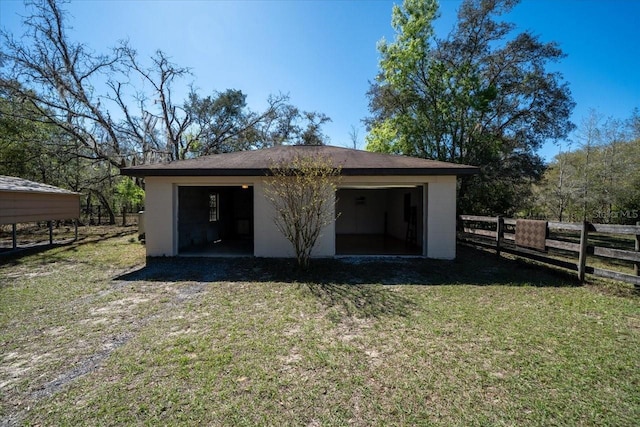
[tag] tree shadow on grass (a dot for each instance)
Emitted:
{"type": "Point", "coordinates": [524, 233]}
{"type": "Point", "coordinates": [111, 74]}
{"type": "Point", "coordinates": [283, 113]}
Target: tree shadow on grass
{"type": "Point", "coordinates": [11, 256]}
{"type": "Point", "coordinates": [359, 285]}
{"type": "Point", "coordinates": [472, 267]}
{"type": "Point", "coordinates": [362, 300]}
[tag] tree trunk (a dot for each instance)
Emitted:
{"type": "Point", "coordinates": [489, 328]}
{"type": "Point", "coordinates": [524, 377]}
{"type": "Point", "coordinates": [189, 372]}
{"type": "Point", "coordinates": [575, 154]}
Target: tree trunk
{"type": "Point", "coordinates": [107, 206]}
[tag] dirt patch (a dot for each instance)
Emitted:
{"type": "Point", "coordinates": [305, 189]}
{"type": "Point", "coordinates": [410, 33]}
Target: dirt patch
{"type": "Point", "coordinates": [290, 359]}
{"type": "Point", "coordinates": [119, 306]}
{"type": "Point", "coordinates": [84, 367]}
{"type": "Point", "coordinates": [103, 326]}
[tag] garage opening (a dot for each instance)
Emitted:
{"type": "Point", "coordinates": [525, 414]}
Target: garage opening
{"type": "Point", "coordinates": [380, 221]}
{"type": "Point", "coordinates": [215, 221]}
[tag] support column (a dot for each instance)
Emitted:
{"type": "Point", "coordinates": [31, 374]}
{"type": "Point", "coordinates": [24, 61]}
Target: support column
{"type": "Point", "coordinates": [14, 236]}
{"type": "Point", "coordinates": [425, 219]}
{"type": "Point", "coordinates": [441, 218]}
{"type": "Point", "coordinates": [161, 217]}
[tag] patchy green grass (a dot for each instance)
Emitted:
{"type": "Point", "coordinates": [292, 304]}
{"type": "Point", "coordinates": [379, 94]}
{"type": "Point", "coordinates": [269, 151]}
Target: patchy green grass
{"type": "Point", "coordinates": [614, 241]}
{"type": "Point", "coordinates": [92, 337]}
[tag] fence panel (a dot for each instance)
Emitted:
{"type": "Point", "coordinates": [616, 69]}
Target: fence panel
{"type": "Point", "coordinates": [570, 251]}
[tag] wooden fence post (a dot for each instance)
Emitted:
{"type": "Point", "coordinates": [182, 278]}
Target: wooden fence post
{"type": "Point", "coordinates": [636, 265]}
{"type": "Point", "coordinates": [499, 233]}
{"type": "Point", "coordinates": [14, 236]}
{"type": "Point", "coordinates": [582, 258]}
{"type": "Point", "coordinates": [50, 225]}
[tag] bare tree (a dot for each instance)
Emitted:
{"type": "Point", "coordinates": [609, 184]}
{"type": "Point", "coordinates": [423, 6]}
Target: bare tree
{"type": "Point", "coordinates": [354, 136]}
{"type": "Point", "coordinates": [116, 111]}
{"type": "Point", "coordinates": [119, 108]}
{"type": "Point", "coordinates": [156, 108]}
{"type": "Point", "coordinates": [302, 193]}
{"type": "Point", "coordinates": [96, 98]}
{"type": "Point", "coordinates": [57, 77]}
{"type": "Point", "coordinates": [589, 138]}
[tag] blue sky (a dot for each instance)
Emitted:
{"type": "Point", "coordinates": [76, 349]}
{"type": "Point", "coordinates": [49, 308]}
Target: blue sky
{"type": "Point", "coordinates": [323, 53]}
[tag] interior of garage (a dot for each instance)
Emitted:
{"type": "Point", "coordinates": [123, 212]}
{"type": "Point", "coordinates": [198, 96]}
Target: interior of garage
{"type": "Point", "coordinates": [215, 221]}
{"type": "Point", "coordinates": [379, 221]}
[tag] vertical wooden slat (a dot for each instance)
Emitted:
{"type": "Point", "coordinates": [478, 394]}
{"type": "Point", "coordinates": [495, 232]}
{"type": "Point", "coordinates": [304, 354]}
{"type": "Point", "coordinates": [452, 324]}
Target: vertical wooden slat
{"type": "Point", "coordinates": [14, 236]}
{"type": "Point", "coordinates": [636, 266]}
{"type": "Point", "coordinates": [497, 241]}
{"type": "Point", "coordinates": [499, 234]}
{"type": "Point", "coordinates": [582, 258]}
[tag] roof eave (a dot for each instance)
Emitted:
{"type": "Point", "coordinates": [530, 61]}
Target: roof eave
{"type": "Point", "coordinates": [55, 193]}
{"type": "Point", "coordinates": [264, 172]}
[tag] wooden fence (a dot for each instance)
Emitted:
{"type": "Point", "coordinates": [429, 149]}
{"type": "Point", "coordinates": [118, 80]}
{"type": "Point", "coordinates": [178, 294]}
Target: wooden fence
{"type": "Point", "coordinates": [581, 247]}
{"type": "Point", "coordinates": [96, 215]}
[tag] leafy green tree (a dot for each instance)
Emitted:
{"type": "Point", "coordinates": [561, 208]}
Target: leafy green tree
{"type": "Point", "coordinates": [18, 136]}
{"type": "Point", "coordinates": [557, 194]}
{"type": "Point", "coordinates": [480, 96]}
{"type": "Point", "coordinates": [222, 123]}
{"type": "Point", "coordinates": [290, 125]}
{"type": "Point", "coordinates": [312, 133]}
{"type": "Point", "coordinates": [129, 196]}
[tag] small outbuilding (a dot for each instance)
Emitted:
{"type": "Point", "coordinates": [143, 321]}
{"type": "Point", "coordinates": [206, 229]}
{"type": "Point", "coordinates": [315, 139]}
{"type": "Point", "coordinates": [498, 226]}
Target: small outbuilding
{"type": "Point", "coordinates": [23, 201]}
{"type": "Point", "coordinates": [216, 205]}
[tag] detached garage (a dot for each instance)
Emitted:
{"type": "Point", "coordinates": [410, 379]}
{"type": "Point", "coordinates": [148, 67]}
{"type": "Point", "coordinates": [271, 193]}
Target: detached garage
{"type": "Point", "coordinates": [385, 205]}
{"type": "Point", "coordinates": [23, 201]}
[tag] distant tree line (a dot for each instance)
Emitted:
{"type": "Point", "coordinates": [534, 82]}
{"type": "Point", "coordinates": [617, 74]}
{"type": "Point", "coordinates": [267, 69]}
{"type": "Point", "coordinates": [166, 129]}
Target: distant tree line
{"type": "Point", "coordinates": [598, 179]}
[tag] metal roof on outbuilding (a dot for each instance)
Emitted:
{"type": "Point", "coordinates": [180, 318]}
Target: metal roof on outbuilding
{"type": "Point", "coordinates": [12, 183]}
{"type": "Point", "coordinates": [23, 201]}
{"type": "Point", "coordinates": [258, 162]}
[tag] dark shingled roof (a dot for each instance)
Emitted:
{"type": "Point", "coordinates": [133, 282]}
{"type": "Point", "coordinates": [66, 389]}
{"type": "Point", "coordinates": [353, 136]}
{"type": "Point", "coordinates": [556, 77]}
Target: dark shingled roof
{"type": "Point", "coordinates": [13, 184]}
{"type": "Point", "coordinates": [258, 163]}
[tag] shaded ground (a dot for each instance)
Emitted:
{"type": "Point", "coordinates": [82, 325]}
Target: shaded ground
{"type": "Point", "coordinates": [471, 267]}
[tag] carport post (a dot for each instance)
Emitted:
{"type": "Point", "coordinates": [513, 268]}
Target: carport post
{"type": "Point", "coordinates": [636, 265]}
{"type": "Point", "coordinates": [14, 236]}
{"type": "Point", "coordinates": [425, 223]}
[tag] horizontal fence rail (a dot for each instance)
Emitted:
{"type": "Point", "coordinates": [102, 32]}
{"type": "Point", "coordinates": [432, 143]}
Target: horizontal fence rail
{"type": "Point", "coordinates": [570, 245]}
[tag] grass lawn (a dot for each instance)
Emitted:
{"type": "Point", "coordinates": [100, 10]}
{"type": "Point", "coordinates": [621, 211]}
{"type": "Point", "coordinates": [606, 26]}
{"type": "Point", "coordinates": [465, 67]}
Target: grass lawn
{"type": "Point", "coordinates": [92, 336]}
